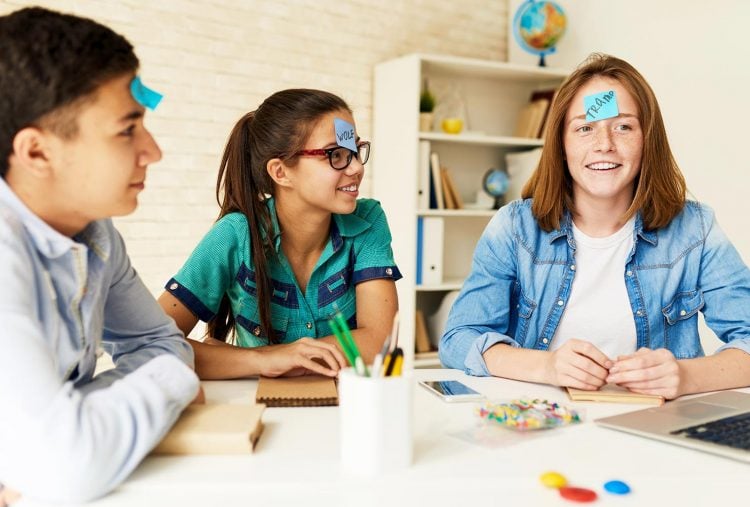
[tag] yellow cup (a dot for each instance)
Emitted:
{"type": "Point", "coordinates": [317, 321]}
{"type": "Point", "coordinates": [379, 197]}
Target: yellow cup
{"type": "Point", "coordinates": [452, 125]}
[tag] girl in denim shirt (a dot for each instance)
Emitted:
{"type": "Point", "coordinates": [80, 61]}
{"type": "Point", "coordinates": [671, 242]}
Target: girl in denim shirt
{"type": "Point", "coordinates": [598, 275]}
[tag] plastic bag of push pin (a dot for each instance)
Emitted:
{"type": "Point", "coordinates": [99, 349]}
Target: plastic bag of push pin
{"type": "Point", "coordinates": [528, 415]}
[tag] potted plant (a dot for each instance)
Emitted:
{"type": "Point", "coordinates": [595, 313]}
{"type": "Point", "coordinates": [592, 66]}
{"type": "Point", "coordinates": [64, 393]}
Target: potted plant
{"type": "Point", "coordinates": [426, 108]}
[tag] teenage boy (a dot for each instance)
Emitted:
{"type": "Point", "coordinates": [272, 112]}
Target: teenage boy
{"type": "Point", "coordinates": [74, 152]}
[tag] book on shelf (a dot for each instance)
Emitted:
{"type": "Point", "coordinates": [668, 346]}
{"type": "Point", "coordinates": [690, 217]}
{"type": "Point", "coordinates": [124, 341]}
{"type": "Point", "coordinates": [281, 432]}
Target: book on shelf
{"type": "Point", "coordinates": [453, 199]}
{"type": "Point", "coordinates": [611, 393]}
{"type": "Point", "coordinates": [532, 118]}
{"type": "Point", "coordinates": [421, 338]}
{"type": "Point", "coordinates": [437, 181]}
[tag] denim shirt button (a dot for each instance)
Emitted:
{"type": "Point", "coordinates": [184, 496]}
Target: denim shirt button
{"type": "Point", "coordinates": [545, 340]}
{"type": "Point", "coordinates": [572, 267]}
{"type": "Point", "coordinates": [308, 325]}
{"type": "Point", "coordinates": [639, 313]}
{"type": "Point", "coordinates": [560, 302]}
{"type": "Point", "coordinates": [629, 273]}
{"type": "Point", "coordinates": [683, 313]}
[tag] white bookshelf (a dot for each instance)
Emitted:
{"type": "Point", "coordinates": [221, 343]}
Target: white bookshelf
{"type": "Point", "coordinates": [493, 94]}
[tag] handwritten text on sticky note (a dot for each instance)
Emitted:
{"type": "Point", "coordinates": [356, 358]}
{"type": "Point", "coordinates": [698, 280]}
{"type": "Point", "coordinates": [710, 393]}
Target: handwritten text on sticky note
{"type": "Point", "coordinates": [600, 106]}
{"type": "Point", "coordinates": [345, 135]}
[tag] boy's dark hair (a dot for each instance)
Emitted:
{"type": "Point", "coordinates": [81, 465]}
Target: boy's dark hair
{"type": "Point", "coordinates": [50, 63]}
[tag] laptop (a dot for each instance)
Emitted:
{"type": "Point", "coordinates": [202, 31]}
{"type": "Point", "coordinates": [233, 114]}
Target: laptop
{"type": "Point", "coordinates": [717, 423]}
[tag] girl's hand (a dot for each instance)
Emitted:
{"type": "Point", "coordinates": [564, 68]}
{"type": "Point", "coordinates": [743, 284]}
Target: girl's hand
{"type": "Point", "coordinates": [649, 372]}
{"type": "Point", "coordinates": [303, 357]}
{"type": "Point", "coordinates": [578, 364]}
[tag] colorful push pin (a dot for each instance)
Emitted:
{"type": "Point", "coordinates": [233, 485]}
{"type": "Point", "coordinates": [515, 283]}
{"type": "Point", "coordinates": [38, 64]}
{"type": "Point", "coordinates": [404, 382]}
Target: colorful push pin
{"type": "Point", "coordinates": [616, 488]}
{"type": "Point", "coordinates": [581, 495]}
{"type": "Point", "coordinates": [553, 480]}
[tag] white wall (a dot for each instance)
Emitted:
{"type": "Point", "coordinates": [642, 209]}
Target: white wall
{"type": "Point", "coordinates": [216, 59]}
{"type": "Point", "coordinates": [696, 56]}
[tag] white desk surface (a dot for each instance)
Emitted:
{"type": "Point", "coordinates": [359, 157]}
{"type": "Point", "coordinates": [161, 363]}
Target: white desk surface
{"type": "Point", "coordinates": [296, 461]}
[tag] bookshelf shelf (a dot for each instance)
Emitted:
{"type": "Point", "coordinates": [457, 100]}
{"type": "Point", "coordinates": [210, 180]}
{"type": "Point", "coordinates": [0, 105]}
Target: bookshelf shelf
{"type": "Point", "coordinates": [480, 139]}
{"type": "Point", "coordinates": [494, 95]}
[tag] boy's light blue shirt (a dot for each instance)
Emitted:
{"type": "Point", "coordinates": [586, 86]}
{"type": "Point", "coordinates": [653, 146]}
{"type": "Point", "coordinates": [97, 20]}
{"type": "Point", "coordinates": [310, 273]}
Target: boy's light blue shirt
{"type": "Point", "coordinates": [521, 279]}
{"type": "Point", "coordinates": [66, 435]}
{"type": "Point", "coordinates": [359, 249]}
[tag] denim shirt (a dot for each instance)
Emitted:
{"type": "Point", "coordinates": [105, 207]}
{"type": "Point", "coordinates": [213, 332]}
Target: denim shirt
{"type": "Point", "coordinates": [65, 434]}
{"type": "Point", "coordinates": [521, 280]}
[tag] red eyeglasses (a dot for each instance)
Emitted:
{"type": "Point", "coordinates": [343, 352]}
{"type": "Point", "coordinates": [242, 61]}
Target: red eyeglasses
{"type": "Point", "coordinates": [340, 157]}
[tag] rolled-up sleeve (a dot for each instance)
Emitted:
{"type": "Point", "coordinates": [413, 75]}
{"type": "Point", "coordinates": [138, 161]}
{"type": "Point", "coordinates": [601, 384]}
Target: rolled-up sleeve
{"type": "Point", "coordinates": [480, 316]}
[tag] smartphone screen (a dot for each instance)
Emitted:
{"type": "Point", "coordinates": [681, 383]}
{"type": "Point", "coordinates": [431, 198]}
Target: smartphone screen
{"type": "Point", "coordinates": [452, 390]}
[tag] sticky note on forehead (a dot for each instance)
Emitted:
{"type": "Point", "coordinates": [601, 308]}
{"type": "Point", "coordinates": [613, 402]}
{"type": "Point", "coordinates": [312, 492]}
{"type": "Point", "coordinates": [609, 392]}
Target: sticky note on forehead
{"type": "Point", "coordinates": [144, 95]}
{"type": "Point", "coordinates": [345, 135]}
{"type": "Point", "coordinates": [600, 106]}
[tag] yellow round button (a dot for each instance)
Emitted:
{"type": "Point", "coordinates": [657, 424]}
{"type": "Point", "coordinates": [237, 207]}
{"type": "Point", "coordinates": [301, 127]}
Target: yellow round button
{"type": "Point", "coordinates": [553, 480]}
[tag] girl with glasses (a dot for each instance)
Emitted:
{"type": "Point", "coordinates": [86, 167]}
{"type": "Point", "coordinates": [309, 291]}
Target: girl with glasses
{"type": "Point", "coordinates": [292, 245]}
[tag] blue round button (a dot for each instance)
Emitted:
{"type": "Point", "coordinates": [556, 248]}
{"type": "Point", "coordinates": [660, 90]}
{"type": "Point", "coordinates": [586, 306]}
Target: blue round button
{"type": "Point", "coordinates": [617, 487]}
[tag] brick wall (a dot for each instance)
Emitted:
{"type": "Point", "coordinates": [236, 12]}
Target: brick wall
{"type": "Point", "coordinates": [216, 59]}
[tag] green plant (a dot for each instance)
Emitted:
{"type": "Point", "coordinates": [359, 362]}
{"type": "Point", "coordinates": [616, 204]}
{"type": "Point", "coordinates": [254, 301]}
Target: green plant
{"type": "Point", "coordinates": [426, 100]}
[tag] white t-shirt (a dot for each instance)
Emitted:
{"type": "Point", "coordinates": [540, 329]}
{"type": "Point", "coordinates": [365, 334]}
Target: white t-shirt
{"type": "Point", "coordinates": [598, 310]}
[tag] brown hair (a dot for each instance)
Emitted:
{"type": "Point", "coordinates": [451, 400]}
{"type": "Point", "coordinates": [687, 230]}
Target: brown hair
{"type": "Point", "coordinates": [660, 186]}
{"type": "Point", "coordinates": [279, 128]}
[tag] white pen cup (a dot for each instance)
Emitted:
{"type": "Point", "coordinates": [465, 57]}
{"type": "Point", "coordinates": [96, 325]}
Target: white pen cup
{"type": "Point", "coordinates": [375, 423]}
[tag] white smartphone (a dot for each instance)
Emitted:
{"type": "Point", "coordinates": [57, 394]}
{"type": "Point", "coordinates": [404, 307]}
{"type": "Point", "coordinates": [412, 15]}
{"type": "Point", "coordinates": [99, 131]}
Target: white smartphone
{"type": "Point", "coordinates": [451, 390]}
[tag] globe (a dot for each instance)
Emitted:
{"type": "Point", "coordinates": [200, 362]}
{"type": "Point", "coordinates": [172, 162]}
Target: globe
{"type": "Point", "coordinates": [496, 183]}
{"type": "Point", "coordinates": [538, 27]}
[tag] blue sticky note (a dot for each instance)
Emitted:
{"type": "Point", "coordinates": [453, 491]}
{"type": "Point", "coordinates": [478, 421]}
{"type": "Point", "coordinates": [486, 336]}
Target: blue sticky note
{"type": "Point", "coordinates": [600, 106]}
{"type": "Point", "coordinates": [144, 95]}
{"type": "Point", "coordinates": [345, 135]}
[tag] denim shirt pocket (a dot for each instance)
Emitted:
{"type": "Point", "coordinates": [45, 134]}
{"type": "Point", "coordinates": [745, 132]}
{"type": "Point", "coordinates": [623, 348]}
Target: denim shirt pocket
{"type": "Point", "coordinates": [520, 316]}
{"type": "Point", "coordinates": [681, 329]}
{"type": "Point", "coordinates": [249, 320]}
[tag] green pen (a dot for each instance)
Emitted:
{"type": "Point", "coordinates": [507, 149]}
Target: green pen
{"type": "Point", "coordinates": [359, 363]}
{"type": "Point", "coordinates": [342, 341]}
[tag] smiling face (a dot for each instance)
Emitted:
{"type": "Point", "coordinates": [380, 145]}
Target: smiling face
{"type": "Point", "coordinates": [315, 182]}
{"type": "Point", "coordinates": [603, 157]}
{"type": "Point", "coordinates": [102, 169]}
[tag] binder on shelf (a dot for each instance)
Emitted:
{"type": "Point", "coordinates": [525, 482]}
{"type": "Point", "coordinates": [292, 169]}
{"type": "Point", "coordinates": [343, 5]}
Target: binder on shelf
{"type": "Point", "coordinates": [549, 95]}
{"type": "Point", "coordinates": [432, 250]}
{"type": "Point", "coordinates": [420, 235]}
{"type": "Point", "coordinates": [421, 338]}
{"type": "Point", "coordinates": [423, 178]}
{"type": "Point", "coordinates": [437, 181]}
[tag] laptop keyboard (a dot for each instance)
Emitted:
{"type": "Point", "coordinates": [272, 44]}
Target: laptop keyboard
{"type": "Point", "coordinates": [731, 431]}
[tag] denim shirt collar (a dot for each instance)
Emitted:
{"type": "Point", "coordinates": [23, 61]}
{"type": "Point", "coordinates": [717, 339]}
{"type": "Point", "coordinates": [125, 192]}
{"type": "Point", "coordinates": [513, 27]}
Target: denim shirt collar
{"type": "Point", "coordinates": [566, 229]}
{"type": "Point", "coordinates": [47, 240]}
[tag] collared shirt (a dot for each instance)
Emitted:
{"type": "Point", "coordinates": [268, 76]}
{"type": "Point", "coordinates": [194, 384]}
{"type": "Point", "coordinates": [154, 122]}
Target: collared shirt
{"type": "Point", "coordinates": [359, 249]}
{"type": "Point", "coordinates": [66, 435]}
{"type": "Point", "coordinates": [521, 279]}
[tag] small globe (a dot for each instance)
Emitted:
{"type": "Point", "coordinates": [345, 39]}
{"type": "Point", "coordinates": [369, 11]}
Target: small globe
{"type": "Point", "coordinates": [496, 183]}
{"type": "Point", "coordinates": [538, 26]}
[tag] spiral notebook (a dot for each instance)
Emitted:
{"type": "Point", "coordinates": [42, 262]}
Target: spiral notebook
{"type": "Point", "coordinates": [304, 391]}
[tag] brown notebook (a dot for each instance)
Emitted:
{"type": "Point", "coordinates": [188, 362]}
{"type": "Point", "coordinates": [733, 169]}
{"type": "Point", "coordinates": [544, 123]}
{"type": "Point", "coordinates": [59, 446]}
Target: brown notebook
{"type": "Point", "coordinates": [612, 393]}
{"type": "Point", "coordinates": [214, 429]}
{"type": "Point", "coordinates": [305, 391]}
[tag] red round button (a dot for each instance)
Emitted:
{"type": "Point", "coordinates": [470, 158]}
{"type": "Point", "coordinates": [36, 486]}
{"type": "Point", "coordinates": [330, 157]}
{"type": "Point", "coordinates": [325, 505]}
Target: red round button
{"type": "Point", "coordinates": [577, 494]}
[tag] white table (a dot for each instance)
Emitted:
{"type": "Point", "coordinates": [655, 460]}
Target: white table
{"type": "Point", "coordinates": [296, 461]}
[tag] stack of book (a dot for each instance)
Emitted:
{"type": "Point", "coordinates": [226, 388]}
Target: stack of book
{"type": "Point", "coordinates": [532, 120]}
{"type": "Point", "coordinates": [438, 190]}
